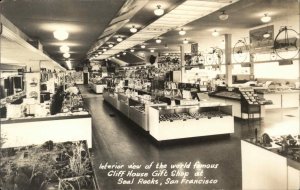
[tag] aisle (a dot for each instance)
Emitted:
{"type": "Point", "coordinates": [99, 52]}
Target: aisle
{"type": "Point", "coordinates": [117, 140]}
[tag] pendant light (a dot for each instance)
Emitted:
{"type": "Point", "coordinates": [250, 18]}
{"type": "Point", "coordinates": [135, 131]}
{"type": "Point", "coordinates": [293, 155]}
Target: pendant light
{"type": "Point", "coordinates": [159, 11]}
{"type": "Point", "coordinates": [119, 39]}
{"type": "Point", "coordinates": [133, 29]}
{"type": "Point", "coordinates": [185, 41]}
{"type": "Point", "coordinates": [215, 33]}
{"type": "Point", "coordinates": [266, 35]}
{"type": "Point", "coordinates": [266, 18]}
{"type": "Point", "coordinates": [158, 40]}
{"type": "Point", "coordinates": [66, 55]}
{"type": "Point", "coordinates": [61, 34]}
{"type": "Point", "coordinates": [182, 32]}
{"type": "Point", "coordinates": [64, 48]}
{"type": "Point", "coordinates": [223, 16]}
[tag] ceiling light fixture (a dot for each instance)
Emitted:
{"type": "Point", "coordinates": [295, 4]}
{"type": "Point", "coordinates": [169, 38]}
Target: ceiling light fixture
{"type": "Point", "coordinates": [266, 35]}
{"type": "Point", "coordinates": [143, 46]}
{"type": "Point", "coordinates": [265, 18]}
{"type": "Point", "coordinates": [182, 32]}
{"type": "Point", "coordinates": [110, 45]}
{"type": "Point", "coordinates": [61, 34]}
{"type": "Point", "coordinates": [159, 11]}
{"type": "Point", "coordinates": [66, 55]}
{"type": "Point", "coordinates": [118, 55]}
{"type": "Point", "coordinates": [223, 16]}
{"type": "Point", "coordinates": [166, 46]}
{"type": "Point", "coordinates": [99, 53]}
{"type": "Point", "coordinates": [133, 29]}
{"type": "Point", "coordinates": [132, 50]}
{"type": "Point", "coordinates": [151, 50]}
{"type": "Point", "coordinates": [104, 50]}
{"type": "Point", "coordinates": [215, 33]}
{"type": "Point", "coordinates": [64, 48]}
{"type": "Point", "coordinates": [124, 53]}
{"type": "Point", "coordinates": [185, 41]}
{"type": "Point", "coordinates": [119, 39]}
{"type": "Point", "coordinates": [158, 40]}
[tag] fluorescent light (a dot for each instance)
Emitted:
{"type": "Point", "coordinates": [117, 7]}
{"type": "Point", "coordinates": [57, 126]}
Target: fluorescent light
{"type": "Point", "coordinates": [159, 11]}
{"type": "Point", "coordinates": [158, 41]}
{"type": "Point", "coordinates": [143, 46]}
{"type": "Point", "coordinates": [66, 55]}
{"type": "Point", "coordinates": [61, 34]}
{"type": "Point", "coordinates": [64, 48]}
{"type": "Point", "coordinates": [182, 32]}
{"type": "Point", "coordinates": [215, 33]}
{"type": "Point", "coordinates": [185, 41]}
{"type": "Point", "coordinates": [133, 29]}
{"type": "Point", "coordinates": [266, 18]}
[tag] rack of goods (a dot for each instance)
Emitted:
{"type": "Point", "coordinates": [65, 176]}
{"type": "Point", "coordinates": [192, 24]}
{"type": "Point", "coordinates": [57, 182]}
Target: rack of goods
{"type": "Point", "coordinates": [275, 157]}
{"type": "Point", "coordinates": [98, 85]}
{"type": "Point", "coordinates": [175, 122]}
{"type": "Point", "coordinates": [63, 114]}
{"type": "Point", "coordinates": [65, 165]}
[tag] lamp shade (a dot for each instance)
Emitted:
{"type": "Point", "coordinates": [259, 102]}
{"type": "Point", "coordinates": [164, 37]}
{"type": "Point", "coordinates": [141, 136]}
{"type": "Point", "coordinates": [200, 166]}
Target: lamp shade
{"type": "Point", "coordinates": [265, 18]}
{"type": "Point", "coordinates": [64, 48]}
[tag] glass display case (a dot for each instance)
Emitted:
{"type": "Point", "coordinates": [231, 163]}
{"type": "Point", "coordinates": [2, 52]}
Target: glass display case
{"type": "Point", "coordinates": [175, 122]}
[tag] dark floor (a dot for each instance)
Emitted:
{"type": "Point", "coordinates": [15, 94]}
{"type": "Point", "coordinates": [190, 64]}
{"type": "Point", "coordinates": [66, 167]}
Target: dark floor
{"type": "Point", "coordinates": [118, 140]}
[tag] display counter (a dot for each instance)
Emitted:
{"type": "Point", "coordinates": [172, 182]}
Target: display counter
{"type": "Point", "coordinates": [98, 88]}
{"type": "Point", "coordinates": [282, 99]}
{"type": "Point", "coordinates": [264, 168]}
{"type": "Point", "coordinates": [111, 98]}
{"type": "Point", "coordinates": [58, 128]}
{"type": "Point", "coordinates": [176, 122]}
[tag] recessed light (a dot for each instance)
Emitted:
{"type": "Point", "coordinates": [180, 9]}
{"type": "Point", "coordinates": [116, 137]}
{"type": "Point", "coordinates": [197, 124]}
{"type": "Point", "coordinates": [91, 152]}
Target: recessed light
{"type": "Point", "coordinates": [61, 34]}
{"type": "Point", "coordinates": [133, 29]}
{"type": "Point", "coordinates": [64, 48]}
{"type": "Point", "coordinates": [182, 32]}
{"type": "Point", "coordinates": [265, 18]}
{"type": "Point", "coordinates": [159, 11]}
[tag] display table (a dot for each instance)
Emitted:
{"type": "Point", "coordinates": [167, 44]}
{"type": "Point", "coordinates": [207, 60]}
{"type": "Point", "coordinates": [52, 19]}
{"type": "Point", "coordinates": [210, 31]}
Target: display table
{"type": "Point", "coordinates": [98, 88]}
{"type": "Point", "coordinates": [209, 120]}
{"type": "Point", "coordinates": [264, 169]}
{"type": "Point", "coordinates": [282, 99]}
{"type": "Point", "coordinates": [27, 131]}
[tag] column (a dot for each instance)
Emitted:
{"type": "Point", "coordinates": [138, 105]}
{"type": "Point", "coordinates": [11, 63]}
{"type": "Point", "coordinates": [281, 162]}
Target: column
{"type": "Point", "coordinates": [228, 63]}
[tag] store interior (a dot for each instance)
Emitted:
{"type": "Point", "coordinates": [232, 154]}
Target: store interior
{"type": "Point", "coordinates": [85, 83]}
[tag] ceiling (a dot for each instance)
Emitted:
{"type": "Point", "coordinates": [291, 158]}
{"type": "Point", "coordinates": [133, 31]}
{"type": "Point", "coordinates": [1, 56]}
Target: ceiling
{"type": "Point", "coordinates": [87, 19]}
